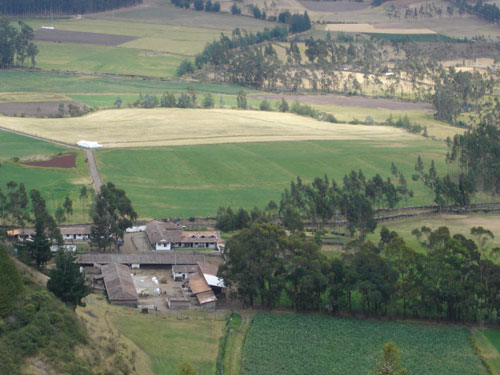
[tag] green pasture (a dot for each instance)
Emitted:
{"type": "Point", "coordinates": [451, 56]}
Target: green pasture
{"type": "Point", "coordinates": [53, 183]}
{"type": "Point", "coordinates": [195, 180]}
{"type": "Point", "coordinates": [14, 145]}
{"type": "Point", "coordinates": [99, 59]}
{"type": "Point", "coordinates": [72, 84]}
{"type": "Point", "coordinates": [308, 344]}
{"type": "Point", "coordinates": [168, 340]}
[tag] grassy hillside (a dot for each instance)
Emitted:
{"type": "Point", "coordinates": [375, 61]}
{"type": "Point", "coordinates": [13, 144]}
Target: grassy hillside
{"type": "Point", "coordinates": [302, 344]}
{"type": "Point", "coordinates": [195, 180]}
{"type": "Point", "coordinates": [41, 335]}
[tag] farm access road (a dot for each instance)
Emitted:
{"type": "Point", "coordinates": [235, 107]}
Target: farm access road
{"type": "Point", "coordinates": [89, 154]}
{"type": "Point", "coordinates": [94, 172]}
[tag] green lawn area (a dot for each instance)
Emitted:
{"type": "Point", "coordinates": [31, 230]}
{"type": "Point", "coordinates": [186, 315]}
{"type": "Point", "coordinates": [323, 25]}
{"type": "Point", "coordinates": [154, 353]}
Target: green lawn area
{"type": "Point", "coordinates": [168, 341]}
{"type": "Point", "coordinates": [195, 180]}
{"type": "Point", "coordinates": [308, 344]}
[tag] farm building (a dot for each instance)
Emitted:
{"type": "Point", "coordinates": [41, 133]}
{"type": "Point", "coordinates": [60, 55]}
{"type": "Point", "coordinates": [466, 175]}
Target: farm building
{"type": "Point", "coordinates": [209, 272]}
{"type": "Point", "coordinates": [169, 236]}
{"type": "Point", "coordinates": [181, 272]}
{"type": "Point", "coordinates": [205, 285]}
{"type": "Point", "coordinates": [70, 234]}
{"type": "Point", "coordinates": [119, 285]}
{"type": "Point", "coordinates": [203, 292]}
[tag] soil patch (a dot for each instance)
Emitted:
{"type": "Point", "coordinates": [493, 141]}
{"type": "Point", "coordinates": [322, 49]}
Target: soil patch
{"type": "Point", "coordinates": [66, 161]}
{"type": "Point", "coordinates": [333, 6]}
{"type": "Point", "coordinates": [350, 101]}
{"type": "Point", "coordinates": [79, 37]}
{"type": "Point", "coordinates": [34, 109]}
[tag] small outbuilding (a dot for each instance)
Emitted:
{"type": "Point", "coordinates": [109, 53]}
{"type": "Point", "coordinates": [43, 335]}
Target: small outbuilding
{"type": "Point", "coordinates": [181, 272]}
{"type": "Point", "coordinates": [202, 291]}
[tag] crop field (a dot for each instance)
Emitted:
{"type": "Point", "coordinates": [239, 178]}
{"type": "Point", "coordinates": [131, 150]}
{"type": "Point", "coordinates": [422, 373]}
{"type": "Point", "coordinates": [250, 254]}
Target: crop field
{"type": "Point", "coordinates": [195, 180]}
{"type": "Point", "coordinates": [175, 126]}
{"type": "Point", "coordinates": [179, 40]}
{"type": "Point", "coordinates": [456, 223]}
{"type": "Point", "coordinates": [145, 40]}
{"type": "Point", "coordinates": [306, 344]}
{"type": "Point", "coordinates": [162, 12]}
{"type": "Point", "coordinates": [53, 183]}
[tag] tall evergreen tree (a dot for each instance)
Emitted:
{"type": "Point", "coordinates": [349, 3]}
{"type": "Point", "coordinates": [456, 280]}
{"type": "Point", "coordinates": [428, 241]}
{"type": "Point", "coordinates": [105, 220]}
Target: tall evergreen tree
{"type": "Point", "coordinates": [66, 280]}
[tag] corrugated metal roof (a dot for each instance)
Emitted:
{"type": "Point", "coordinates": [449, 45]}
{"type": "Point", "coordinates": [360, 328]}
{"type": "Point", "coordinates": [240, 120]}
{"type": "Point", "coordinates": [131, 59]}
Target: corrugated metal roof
{"type": "Point", "coordinates": [118, 282]}
{"type": "Point", "coordinates": [214, 281]}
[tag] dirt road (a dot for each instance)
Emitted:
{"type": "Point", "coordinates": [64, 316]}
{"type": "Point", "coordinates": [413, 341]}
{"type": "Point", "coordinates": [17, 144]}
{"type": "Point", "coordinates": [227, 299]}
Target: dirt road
{"type": "Point", "coordinates": [93, 171]}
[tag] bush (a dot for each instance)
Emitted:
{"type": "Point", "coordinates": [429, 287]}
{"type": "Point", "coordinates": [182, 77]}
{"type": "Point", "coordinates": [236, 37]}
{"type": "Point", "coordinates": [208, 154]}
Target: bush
{"type": "Point", "coordinates": [235, 10]}
{"type": "Point", "coordinates": [198, 4]}
{"type": "Point", "coordinates": [186, 66]}
{"type": "Point", "coordinates": [265, 105]}
{"type": "Point", "coordinates": [208, 101]}
{"type": "Point", "coordinates": [283, 105]}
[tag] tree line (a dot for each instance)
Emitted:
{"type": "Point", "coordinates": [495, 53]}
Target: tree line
{"type": "Point", "coordinates": [199, 5]}
{"type": "Point", "coordinates": [487, 11]}
{"type": "Point", "coordinates": [23, 7]}
{"type": "Point", "coordinates": [16, 44]}
{"type": "Point", "coordinates": [451, 279]}
{"type": "Point", "coordinates": [323, 199]}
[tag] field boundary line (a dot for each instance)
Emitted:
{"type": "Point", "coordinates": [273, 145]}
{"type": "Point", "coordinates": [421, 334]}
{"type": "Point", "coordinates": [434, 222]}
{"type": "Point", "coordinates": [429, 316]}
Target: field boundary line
{"type": "Point", "coordinates": [58, 143]}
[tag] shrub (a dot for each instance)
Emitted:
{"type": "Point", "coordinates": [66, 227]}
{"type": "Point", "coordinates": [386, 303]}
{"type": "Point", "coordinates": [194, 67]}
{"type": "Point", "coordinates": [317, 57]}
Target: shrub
{"type": "Point", "coordinates": [185, 67]}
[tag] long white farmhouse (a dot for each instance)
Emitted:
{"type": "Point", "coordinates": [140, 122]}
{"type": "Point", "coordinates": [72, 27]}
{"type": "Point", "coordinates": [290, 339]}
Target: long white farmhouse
{"type": "Point", "coordinates": [170, 236]}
